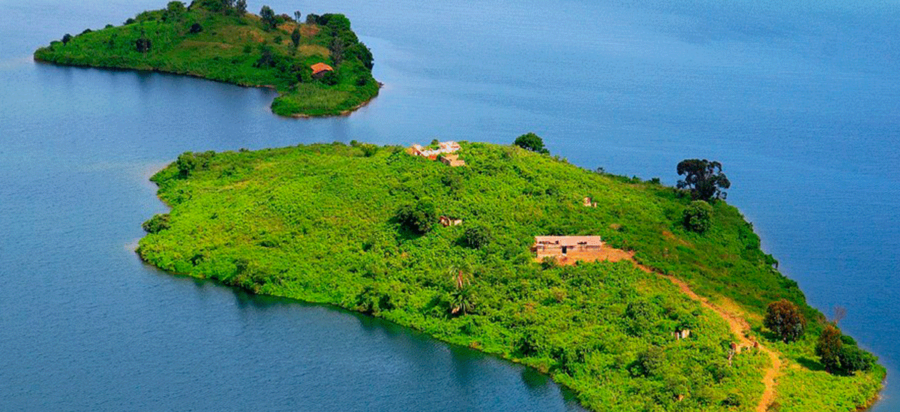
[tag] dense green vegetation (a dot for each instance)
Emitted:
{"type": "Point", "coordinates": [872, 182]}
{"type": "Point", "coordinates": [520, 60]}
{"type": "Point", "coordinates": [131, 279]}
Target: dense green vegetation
{"type": "Point", "coordinates": [219, 40]}
{"type": "Point", "coordinates": [355, 226]}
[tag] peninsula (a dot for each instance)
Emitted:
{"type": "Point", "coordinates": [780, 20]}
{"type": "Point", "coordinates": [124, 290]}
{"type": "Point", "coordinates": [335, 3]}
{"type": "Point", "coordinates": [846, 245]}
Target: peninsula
{"type": "Point", "coordinates": [643, 298]}
{"type": "Point", "coordinates": [318, 65]}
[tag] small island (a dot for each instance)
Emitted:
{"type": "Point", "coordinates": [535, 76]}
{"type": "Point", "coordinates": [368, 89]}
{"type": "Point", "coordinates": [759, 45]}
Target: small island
{"type": "Point", "coordinates": [318, 65]}
{"type": "Point", "coordinates": [635, 295]}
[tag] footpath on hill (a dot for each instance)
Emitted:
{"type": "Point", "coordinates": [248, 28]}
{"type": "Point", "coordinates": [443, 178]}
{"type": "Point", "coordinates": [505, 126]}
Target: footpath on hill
{"type": "Point", "coordinates": [736, 323]}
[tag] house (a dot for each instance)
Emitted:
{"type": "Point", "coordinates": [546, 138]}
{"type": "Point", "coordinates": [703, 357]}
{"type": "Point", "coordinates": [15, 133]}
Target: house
{"type": "Point", "coordinates": [452, 160]}
{"type": "Point", "coordinates": [319, 69]}
{"type": "Point", "coordinates": [446, 221]}
{"type": "Point", "coordinates": [566, 248]}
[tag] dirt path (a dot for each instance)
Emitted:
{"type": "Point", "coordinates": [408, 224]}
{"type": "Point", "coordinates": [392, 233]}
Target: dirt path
{"type": "Point", "coordinates": [738, 325]}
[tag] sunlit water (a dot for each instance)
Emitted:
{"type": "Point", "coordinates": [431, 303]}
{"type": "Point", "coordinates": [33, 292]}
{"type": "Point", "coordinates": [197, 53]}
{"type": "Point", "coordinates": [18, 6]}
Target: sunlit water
{"type": "Point", "coordinates": [801, 103]}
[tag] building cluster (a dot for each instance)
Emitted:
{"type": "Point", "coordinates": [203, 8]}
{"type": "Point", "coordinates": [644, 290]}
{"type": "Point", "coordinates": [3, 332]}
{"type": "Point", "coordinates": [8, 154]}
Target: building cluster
{"type": "Point", "coordinates": [446, 152]}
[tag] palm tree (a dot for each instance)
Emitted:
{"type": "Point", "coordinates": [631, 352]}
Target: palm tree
{"type": "Point", "coordinates": [462, 299]}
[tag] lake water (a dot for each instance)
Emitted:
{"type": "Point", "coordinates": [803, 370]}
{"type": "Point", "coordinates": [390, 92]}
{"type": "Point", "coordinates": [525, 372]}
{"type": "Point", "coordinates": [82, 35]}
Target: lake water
{"type": "Point", "coordinates": [800, 102]}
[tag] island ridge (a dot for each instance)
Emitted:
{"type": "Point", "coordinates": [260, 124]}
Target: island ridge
{"type": "Point", "coordinates": [318, 65]}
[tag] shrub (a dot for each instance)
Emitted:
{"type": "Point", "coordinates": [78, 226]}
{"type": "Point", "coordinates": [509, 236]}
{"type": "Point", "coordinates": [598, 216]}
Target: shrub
{"type": "Point", "coordinates": [157, 223]}
{"type": "Point", "coordinates": [784, 318]}
{"type": "Point", "coordinates": [696, 216]}
{"type": "Point", "coordinates": [196, 28]}
{"type": "Point", "coordinates": [189, 162]}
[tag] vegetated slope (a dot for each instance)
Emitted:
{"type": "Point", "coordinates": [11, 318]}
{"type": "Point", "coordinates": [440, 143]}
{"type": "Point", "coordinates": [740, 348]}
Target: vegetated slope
{"type": "Point", "coordinates": [221, 43]}
{"type": "Point", "coordinates": [325, 223]}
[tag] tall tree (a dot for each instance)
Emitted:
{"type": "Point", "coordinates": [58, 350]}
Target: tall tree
{"type": "Point", "coordinates": [784, 318]}
{"type": "Point", "coordinates": [297, 16]}
{"type": "Point", "coordinates": [337, 50]}
{"type": "Point", "coordinates": [703, 178]}
{"type": "Point", "coordinates": [240, 7]}
{"type": "Point", "coordinates": [268, 17]}
{"type": "Point", "coordinates": [295, 36]}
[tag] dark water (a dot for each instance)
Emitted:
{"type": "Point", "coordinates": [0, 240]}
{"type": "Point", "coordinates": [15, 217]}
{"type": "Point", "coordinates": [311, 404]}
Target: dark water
{"type": "Point", "coordinates": [801, 103]}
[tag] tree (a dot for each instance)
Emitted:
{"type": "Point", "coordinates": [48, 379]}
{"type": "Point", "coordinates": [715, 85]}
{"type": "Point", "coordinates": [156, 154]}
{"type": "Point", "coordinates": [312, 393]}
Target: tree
{"type": "Point", "coordinates": [297, 16]}
{"type": "Point", "coordinates": [67, 38]}
{"type": "Point", "coordinates": [477, 236]}
{"type": "Point", "coordinates": [143, 44]}
{"type": "Point", "coordinates": [703, 178]}
{"type": "Point", "coordinates": [196, 28]}
{"type": "Point", "coordinates": [531, 141]}
{"type": "Point", "coordinates": [420, 217]}
{"type": "Point", "coordinates": [696, 217]}
{"type": "Point", "coordinates": [174, 8]}
{"type": "Point", "coordinates": [312, 18]}
{"type": "Point", "coordinates": [784, 318]}
{"type": "Point", "coordinates": [828, 348]}
{"type": "Point", "coordinates": [839, 353]}
{"type": "Point", "coordinates": [462, 299]}
{"type": "Point", "coordinates": [227, 5]}
{"type": "Point", "coordinates": [266, 57]}
{"type": "Point", "coordinates": [337, 50]}
{"type": "Point", "coordinates": [241, 7]}
{"type": "Point", "coordinates": [268, 17]}
{"type": "Point", "coordinates": [295, 37]}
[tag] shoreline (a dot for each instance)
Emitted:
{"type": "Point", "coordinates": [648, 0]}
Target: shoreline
{"type": "Point", "coordinates": [343, 113]}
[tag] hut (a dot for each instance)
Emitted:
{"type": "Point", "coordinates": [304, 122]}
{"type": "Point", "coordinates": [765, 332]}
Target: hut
{"type": "Point", "coordinates": [320, 69]}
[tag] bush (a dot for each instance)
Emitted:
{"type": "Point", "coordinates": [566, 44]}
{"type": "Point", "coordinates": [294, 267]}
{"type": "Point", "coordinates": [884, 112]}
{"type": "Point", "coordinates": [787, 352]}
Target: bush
{"type": "Point", "coordinates": [157, 223]}
{"type": "Point", "coordinates": [196, 28]}
{"type": "Point", "coordinates": [189, 162]}
{"type": "Point", "coordinates": [696, 216]}
{"type": "Point", "coordinates": [784, 318]}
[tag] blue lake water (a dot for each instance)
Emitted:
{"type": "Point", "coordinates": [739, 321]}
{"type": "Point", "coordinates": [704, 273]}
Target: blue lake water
{"type": "Point", "coordinates": [800, 102]}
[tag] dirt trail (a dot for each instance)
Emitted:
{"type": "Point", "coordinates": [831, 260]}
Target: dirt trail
{"type": "Point", "coordinates": [738, 325]}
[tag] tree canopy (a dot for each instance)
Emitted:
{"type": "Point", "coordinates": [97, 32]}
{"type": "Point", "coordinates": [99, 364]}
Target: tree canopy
{"type": "Point", "coordinates": [785, 320]}
{"type": "Point", "coordinates": [703, 178]}
{"type": "Point", "coordinates": [531, 141]}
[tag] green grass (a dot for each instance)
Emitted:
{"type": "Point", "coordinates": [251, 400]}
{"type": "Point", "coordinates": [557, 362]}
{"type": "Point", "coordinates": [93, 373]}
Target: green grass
{"type": "Point", "coordinates": [318, 223]}
{"type": "Point", "coordinates": [229, 49]}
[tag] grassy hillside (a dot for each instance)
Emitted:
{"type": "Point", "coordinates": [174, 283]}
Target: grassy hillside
{"type": "Point", "coordinates": [223, 43]}
{"type": "Point", "coordinates": [326, 223]}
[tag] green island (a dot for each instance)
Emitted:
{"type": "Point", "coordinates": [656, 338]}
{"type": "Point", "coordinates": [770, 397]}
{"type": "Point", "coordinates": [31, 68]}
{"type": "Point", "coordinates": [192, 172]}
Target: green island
{"type": "Point", "coordinates": [318, 66]}
{"type": "Point", "coordinates": [449, 251]}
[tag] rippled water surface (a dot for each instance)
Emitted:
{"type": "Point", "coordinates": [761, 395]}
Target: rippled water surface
{"type": "Point", "coordinates": [801, 103]}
